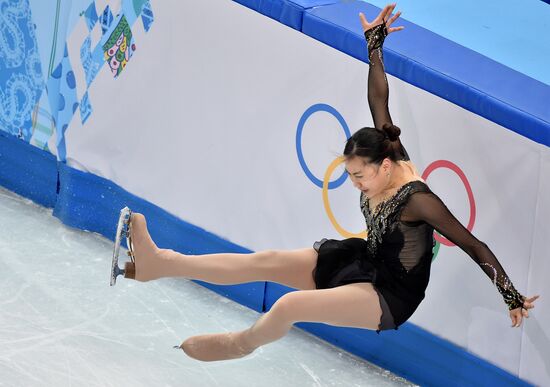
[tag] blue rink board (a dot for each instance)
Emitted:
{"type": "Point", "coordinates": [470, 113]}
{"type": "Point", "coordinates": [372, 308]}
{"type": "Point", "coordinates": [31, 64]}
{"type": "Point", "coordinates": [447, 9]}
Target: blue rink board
{"type": "Point", "coordinates": [27, 170]}
{"type": "Point", "coordinates": [92, 203]}
{"type": "Point", "coordinates": [428, 61]}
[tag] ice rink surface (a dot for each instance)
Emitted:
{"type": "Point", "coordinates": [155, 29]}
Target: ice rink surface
{"type": "Point", "coordinates": [61, 324]}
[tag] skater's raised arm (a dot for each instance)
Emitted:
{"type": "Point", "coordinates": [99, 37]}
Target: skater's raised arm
{"type": "Point", "coordinates": [428, 207]}
{"type": "Point", "coordinates": [375, 33]}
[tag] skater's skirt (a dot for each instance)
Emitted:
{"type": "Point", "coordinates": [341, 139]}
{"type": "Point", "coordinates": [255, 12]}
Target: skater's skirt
{"type": "Point", "coordinates": [342, 262]}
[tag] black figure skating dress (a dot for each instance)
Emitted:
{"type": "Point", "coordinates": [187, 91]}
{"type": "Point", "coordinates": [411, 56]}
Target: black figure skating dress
{"type": "Point", "coordinates": [397, 254]}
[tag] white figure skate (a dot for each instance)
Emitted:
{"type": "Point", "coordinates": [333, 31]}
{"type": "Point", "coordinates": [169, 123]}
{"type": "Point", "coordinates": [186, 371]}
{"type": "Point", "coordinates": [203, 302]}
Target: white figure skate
{"type": "Point", "coordinates": [123, 231]}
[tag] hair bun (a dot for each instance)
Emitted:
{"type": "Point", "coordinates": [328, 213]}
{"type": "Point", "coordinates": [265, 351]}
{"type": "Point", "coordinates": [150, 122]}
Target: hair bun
{"type": "Point", "coordinates": [392, 131]}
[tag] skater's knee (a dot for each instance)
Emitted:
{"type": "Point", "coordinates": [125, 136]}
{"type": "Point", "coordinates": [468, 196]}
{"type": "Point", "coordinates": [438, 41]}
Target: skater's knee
{"type": "Point", "coordinates": [288, 307]}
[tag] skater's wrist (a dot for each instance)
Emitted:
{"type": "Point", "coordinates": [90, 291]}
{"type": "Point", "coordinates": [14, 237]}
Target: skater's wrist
{"type": "Point", "coordinates": [375, 37]}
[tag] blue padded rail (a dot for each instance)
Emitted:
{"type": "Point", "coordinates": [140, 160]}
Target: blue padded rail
{"type": "Point", "coordinates": [287, 12]}
{"type": "Point", "coordinates": [441, 67]}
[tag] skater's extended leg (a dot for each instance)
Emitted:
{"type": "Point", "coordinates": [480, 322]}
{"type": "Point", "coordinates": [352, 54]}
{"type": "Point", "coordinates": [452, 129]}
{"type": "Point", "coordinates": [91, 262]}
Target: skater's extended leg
{"type": "Point", "coordinates": [354, 305]}
{"type": "Point", "coordinates": [291, 267]}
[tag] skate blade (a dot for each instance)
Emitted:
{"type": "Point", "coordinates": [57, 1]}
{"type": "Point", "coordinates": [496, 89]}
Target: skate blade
{"type": "Point", "coordinates": [121, 232]}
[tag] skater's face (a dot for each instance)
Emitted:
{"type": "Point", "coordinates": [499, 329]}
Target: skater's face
{"type": "Point", "coordinates": [369, 178]}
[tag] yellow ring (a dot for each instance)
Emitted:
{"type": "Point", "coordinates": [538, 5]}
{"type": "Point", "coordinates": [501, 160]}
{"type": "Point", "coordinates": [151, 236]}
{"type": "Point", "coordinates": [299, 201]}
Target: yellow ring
{"type": "Point", "coordinates": [326, 179]}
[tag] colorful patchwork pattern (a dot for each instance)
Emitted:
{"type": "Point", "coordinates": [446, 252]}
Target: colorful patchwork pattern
{"type": "Point", "coordinates": [91, 16]}
{"type": "Point", "coordinates": [119, 47]}
{"type": "Point", "coordinates": [147, 16]}
{"type": "Point", "coordinates": [90, 63]}
{"type": "Point", "coordinates": [106, 19]}
{"type": "Point", "coordinates": [35, 110]}
{"type": "Point", "coordinates": [85, 108]}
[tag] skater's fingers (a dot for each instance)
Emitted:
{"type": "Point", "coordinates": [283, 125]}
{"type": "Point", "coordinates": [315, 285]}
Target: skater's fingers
{"type": "Point", "coordinates": [388, 10]}
{"type": "Point", "coordinates": [390, 30]}
{"type": "Point", "coordinates": [516, 317]}
{"type": "Point", "coordinates": [382, 15]}
{"type": "Point", "coordinates": [364, 21]}
{"type": "Point", "coordinates": [393, 18]}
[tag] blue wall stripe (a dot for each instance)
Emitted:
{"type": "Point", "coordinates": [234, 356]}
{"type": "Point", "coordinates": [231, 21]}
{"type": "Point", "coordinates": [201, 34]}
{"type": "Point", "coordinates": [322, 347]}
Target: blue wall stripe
{"type": "Point", "coordinates": [27, 170]}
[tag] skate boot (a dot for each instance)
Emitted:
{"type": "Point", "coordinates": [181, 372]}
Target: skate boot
{"type": "Point", "coordinates": [215, 347]}
{"type": "Point", "coordinates": [123, 231]}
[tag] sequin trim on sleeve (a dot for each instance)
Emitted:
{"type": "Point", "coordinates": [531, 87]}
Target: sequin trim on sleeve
{"type": "Point", "coordinates": [511, 296]}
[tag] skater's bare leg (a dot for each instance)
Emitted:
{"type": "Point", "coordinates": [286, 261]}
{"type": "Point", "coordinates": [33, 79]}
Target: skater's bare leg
{"type": "Point", "coordinates": [354, 305]}
{"type": "Point", "coordinates": [291, 267]}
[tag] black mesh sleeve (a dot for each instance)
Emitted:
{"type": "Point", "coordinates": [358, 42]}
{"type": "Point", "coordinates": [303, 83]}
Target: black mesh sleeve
{"type": "Point", "coordinates": [428, 207]}
{"type": "Point", "coordinates": [378, 91]}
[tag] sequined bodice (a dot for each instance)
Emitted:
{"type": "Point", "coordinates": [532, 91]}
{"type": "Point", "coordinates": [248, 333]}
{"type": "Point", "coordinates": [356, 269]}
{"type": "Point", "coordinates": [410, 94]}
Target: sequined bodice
{"type": "Point", "coordinates": [378, 220]}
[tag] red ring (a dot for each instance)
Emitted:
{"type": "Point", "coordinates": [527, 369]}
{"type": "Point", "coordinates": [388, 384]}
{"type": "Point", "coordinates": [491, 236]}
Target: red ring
{"type": "Point", "coordinates": [456, 169]}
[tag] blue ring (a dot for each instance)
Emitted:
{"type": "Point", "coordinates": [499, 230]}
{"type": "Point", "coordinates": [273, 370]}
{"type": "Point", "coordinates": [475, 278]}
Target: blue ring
{"type": "Point", "coordinates": [321, 107]}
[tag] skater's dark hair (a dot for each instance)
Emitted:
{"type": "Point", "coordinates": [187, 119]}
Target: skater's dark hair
{"type": "Point", "coordinates": [375, 144]}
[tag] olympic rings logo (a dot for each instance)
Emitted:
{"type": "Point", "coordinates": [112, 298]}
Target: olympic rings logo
{"type": "Point", "coordinates": [327, 185]}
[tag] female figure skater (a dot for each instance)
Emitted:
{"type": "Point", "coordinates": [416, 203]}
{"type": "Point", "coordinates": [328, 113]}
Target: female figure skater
{"type": "Point", "coordinates": [375, 283]}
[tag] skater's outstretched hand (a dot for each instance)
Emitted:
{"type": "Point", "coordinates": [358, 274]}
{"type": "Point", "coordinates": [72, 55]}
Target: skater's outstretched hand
{"type": "Point", "coordinates": [382, 16]}
{"type": "Point", "coordinates": [517, 314]}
